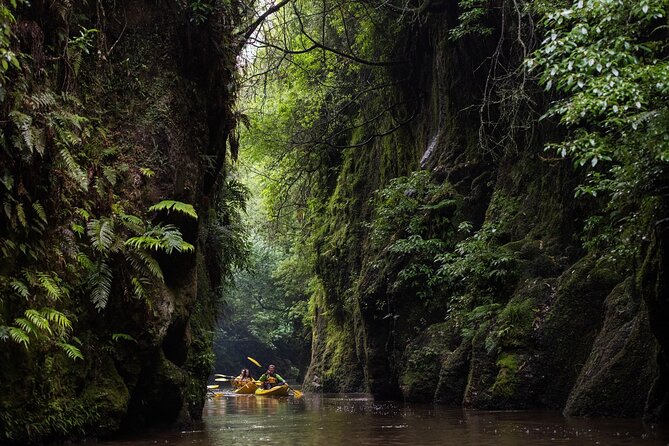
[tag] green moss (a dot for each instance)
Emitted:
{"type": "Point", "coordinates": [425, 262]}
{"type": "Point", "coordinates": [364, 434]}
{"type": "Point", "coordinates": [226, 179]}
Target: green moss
{"type": "Point", "coordinates": [507, 378]}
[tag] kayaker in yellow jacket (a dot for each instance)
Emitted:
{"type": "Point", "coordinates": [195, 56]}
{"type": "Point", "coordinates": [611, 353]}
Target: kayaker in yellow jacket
{"type": "Point", "coordinates": [270, 378]}
{"type": "Point", "coordinates": [243, 378]}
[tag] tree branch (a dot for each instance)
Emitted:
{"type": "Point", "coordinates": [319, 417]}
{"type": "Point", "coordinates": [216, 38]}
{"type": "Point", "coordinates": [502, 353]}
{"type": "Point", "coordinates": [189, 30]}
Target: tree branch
{"type": "Point", "coordinates": [253, 26]}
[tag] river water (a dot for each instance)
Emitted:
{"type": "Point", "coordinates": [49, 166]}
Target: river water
{"type": "Point", "coordinates": [355, 419]}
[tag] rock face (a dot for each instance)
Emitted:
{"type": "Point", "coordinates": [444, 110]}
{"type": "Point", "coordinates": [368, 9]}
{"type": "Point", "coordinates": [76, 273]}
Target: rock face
{"type": "Point", "coordinates": [161, 90]}
{"type": "Point", "coordinates": [546, 324]}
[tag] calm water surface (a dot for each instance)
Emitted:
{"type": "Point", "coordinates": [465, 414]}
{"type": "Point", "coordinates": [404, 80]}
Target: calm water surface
{"type": "Point", "coordinates": [357, 420]}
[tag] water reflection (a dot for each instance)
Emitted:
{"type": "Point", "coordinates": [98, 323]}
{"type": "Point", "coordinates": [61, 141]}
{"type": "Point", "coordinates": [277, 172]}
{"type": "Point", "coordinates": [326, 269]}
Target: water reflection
{"type": "Point", "coordinates": [357, 420]}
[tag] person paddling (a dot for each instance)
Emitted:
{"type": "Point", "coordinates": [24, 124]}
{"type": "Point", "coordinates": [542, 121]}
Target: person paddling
{"type": "Point", "coordinates": [243, 378]}
{"type": "Point", "coordinates": [270, 378]}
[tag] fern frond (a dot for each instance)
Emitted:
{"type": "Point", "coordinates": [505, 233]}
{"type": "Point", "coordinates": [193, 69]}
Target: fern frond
{"type": "Point", "coordinates": [4, 333]}
{"type": "Point", "coordinates": [58, 318]}
{"type": "Point", "coordinates": [102, 284]}
{"type": "Point", "coordinates": [83, 213]}
{"type": "Point", "coordinates": [39, 210]}
{"type": "Point", "coordinates": [70, 350]}
{"type": "Point", "coordinates": [110, 174]}
{"type": "Point", "coordinates": [19, 336]}
{"type": "Point", "coordinates": [176, 206]}
{"type": "Point", "coordinates": [144, 242]}
{"type": "Point", "coordinates": [72, 167]}
{"type": "Point", "coordinates": [38, 320]}
{"type": "Point", "coordinates": [26, 326]}
{"type": "Point", "coordinates": [145, 265]}
{"type": "Point", "coordinates": [43, 100]}
{"type": "Point", "coordinates": [146, 172]}
{"type": "Point", "coordinates": [101, 233]}
{"type": "Point", "coordinates": [7, 180]}
{"type": "Point", "coordinates": [138, 287]}
{"type": "Point", "coordinates": [21, 214]}
{"type": "Point", "coordinates": [166, 238]}
{"type": "Point", "coordinates": [85, 262]}
{"type": "Point", "coordinates": [122, 337]}
{"type": "Point", "coordinates": [50, 285]}
{"type": "Point", "coordinates": [30, 277]}
{"type": "Point", "coordinates": [132, 222]}
{"type": "Point", "coordinates": [20, 288]}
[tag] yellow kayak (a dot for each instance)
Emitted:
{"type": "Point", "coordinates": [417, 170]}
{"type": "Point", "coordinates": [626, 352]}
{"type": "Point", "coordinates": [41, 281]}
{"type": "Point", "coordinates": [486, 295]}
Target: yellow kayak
{"type": "Point", "coordinates": [247, 389]}
{"type": "Point", "coordinates": [274, 391]}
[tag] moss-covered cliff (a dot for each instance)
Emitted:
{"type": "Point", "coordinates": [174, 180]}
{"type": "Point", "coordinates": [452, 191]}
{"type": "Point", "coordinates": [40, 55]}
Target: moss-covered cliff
{"type": "Point", "coordinates": [113, 108]}
{"type": "Point", "coordinates": [481, 282]}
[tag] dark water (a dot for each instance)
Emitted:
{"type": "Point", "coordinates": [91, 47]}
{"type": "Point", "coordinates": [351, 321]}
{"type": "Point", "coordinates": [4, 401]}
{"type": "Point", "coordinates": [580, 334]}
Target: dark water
{"type": "Point", "coordinates": [357, 420]}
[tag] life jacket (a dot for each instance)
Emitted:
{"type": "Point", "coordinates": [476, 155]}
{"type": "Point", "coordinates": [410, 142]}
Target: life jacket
{"type": "Point", "coordinates": [271, 379]}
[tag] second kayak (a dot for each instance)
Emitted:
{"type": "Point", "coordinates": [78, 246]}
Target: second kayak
{"type": "Point", "coordinates": [274, 391]}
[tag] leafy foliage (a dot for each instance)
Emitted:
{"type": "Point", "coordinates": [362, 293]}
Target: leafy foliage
{"type": "Point", "coordinates": [607, 60]}
{"type": "Point", "coordinates": [412, 219]}
{"type": "Point", "coordinates": [67, 237]}
{"type": "Point", "coordinates": [471, 17]}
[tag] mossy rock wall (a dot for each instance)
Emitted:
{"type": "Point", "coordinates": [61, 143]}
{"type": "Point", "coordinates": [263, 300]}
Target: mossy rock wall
{"type": "Point", "coordinates": [565, 330]}
{"type": "Point", "coordinates": [163, 96]}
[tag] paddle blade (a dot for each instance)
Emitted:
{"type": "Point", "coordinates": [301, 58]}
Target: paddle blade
{"type": "Point", "coordinates": [297, 394]}
{"type": "Point", "coordinates": [213, 386]}
{"type": "Point", "coordinates": [222, 380]}
{"type": "Point", "coordinates": [253, 361]}
{"type": "Point", "coordinates": [218, 375]}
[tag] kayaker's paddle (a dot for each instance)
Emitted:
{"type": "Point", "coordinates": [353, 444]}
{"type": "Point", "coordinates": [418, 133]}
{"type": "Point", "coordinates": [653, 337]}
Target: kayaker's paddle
{"type": "Point", "coordinates": [218, 375]}
{"type": "Point", "coordinates": [222, 380]}
{"type": "Point", "coordinates": [296, 393]}
{"type": "Point", "coordinates": [254, 361]}
{"type": "Point", "coordinates": [212, 387]}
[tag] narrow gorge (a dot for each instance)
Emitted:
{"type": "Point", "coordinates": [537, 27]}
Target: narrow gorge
{"type": "Point", "coordinates": [453, 202]}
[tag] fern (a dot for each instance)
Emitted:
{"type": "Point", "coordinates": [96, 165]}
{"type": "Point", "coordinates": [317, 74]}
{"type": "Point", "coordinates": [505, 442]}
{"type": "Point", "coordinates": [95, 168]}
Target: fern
{"type": "Point", "coordinates": [132, 222]}
{"type": "Point", "coordinates": [20, 288]}
{"type": "Point", "coordinates": [26, 326]}
{"type": "Point", "coordinates": [4, 333]}
{"type": "Point", "coordinates": [72, 167]}
{"type": "Point", "coordinates": [39, 210]}
{"type": "Point", "coordinates": [101, 233]}
{"type": "Point", "coordinates": [50, 285]}
{"type": "Point", "coordinates": [30, 277]}
{"type": "Point", "coordinates": [19, 336]}
{"type": "Point", "coordinates": [55, 316]}
{"type": "Point", "coordinates": [166, 238]}
{"type": "Point", "coordinates": [144, 242]}
{"type": "Point", "coordinates": [102, 284]}
{"type": "Point", "coordinates": [21, 214]}
{"type": "Point", "coordinates": [85, 262]}
{"type": "Point", "coordinates": [30, 138]}
{"type": "Point", "coordinates": [7, 180]}
{"type": "Point", "coordinates": [138, 287]}
{"type": "Point", "coordinates": [70, 350]}
{"type": "Point", "coordinates": [77, 228]}
{"type": "Point", "coordinates": [122, 337]}
{"type": "Point", "coordinates": [142, 262]}
{"type": "Point", "coordinates": [176, 206]}
{"type": "Point", "coordinates": [146, 172]}
{"type": "Point", "coordinates": [43, 100]}
{"type": "Point", "coordinates": [38, 320]}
